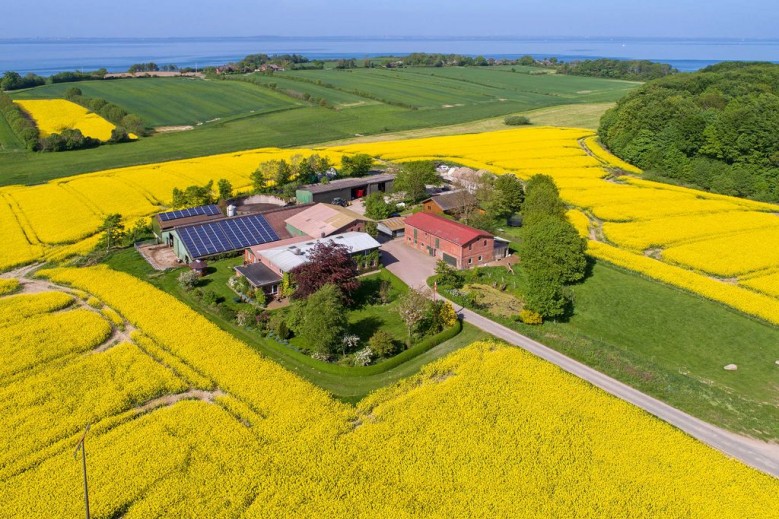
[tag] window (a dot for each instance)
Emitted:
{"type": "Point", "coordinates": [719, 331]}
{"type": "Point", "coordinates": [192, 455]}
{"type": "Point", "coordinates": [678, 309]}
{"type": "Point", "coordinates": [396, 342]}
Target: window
{"type": "Point", "coordinates": [415, 235]}
{"type": "Point", "coordinates": [437, 244]}
{"type": "Point", "coordinates": [479, 258]}
{"type": "Point", "coordinates": [485, 244]}
{"type": "Point", "coordinates": [274, 289]}
{"type": "Point", "coordinates": [470, 247]}
{"type": "Point", "coordinates": [470, 260]}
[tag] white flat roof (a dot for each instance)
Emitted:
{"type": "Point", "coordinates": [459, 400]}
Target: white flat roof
{"type": "Point", "coordinates": [287, 257]}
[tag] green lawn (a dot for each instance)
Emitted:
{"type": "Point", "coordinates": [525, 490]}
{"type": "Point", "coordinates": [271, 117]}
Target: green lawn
{"type": "Point", "coordinates": [673, 345]}
{"type": "Point", "coordinates": [174, 101]}
{"type": "Point", "coordinates": [8, 139]}
{"type": "Point", "coordinates": [347, 384]}
{"type": "Point", "coordinates": [418, 98]}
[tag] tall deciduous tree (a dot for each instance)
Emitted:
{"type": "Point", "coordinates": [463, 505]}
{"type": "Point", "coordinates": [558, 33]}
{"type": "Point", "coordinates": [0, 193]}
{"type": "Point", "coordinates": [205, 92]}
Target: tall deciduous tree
{"type": "Point", "coordinates": [356, 165]}
{"type": "Point", "coordinates": [113, 231]}
{"type": "Point", "coordinates": [414, 176]}
{"type": "Point", "coordinates": [509, 194]}
{"type": "Point", "coordinates": [320, 319]}
{"type": "Point", "coordinates": [376, 207]}
{"type": "Point", "coordinates": [328, 263]}
{"type": "Point", "coordinates": [225, 189]}
{"type": "Point", "coordinates": [541, 199]}
{"type": "Point", "coordinates": [552, 249]}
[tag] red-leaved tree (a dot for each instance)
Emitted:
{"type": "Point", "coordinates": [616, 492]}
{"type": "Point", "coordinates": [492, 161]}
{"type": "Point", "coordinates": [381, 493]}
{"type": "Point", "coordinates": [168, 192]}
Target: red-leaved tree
{"type": "Point", "coordinates": [328, 262]}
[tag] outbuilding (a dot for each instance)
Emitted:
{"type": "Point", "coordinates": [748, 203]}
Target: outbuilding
{"type": "Point", "coordinates": [346, 189]}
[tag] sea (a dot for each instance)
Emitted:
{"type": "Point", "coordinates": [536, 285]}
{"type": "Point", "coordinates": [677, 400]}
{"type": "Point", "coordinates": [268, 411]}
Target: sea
{"type": "Point", "coordinates": [46, 56]}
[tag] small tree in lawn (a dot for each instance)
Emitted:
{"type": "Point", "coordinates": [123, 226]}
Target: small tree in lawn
{"type": "Point", "coordinates": [413, 308]}
{"type": "Point", "coordinates": [320, 319]}
{"type": "Point", "coordinates": [188, 280]}
{"type": "Point", "coordinates": [381, 344]}
{"type": "Point", "coordinates": [446, 275]}
{"type": "Point", "coordinates": [328, 263]}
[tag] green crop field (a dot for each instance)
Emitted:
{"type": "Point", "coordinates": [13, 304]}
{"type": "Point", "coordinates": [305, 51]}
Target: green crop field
{"type": "Point", "coordinates": [457, 86]}
{"type": "Point", "coordinates": [361, 102]}
{"type": "Point", "coordinates": [8, 140]}
{"type": "Point", "coordinates": [174, 101]}
{"type": "Point", "coordinates": [335, 98]}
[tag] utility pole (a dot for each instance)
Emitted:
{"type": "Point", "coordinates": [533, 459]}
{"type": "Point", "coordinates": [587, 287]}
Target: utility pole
{"type": "Point", "coordinates": [81, 446]}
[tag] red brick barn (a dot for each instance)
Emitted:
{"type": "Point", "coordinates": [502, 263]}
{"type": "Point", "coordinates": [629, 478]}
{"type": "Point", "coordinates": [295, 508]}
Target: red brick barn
{"type": "Point", "coordinates": [459, 245]}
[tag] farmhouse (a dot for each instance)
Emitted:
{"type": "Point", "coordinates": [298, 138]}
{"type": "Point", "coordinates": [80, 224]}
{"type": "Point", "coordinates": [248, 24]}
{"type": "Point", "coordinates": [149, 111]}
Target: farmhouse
{"type": "Point", "coordinates": [453, 203]}
{"type": "Point", "coordinates": [346, 188]}
{"type": "Point", "coordinates": [265, 265]}
{"type": "Point", "coordinates": [322, 220]}
{"type": "Point", "coordinates": [455, 243]}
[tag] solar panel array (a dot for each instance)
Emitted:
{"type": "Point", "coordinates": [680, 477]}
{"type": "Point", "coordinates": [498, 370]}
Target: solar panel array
{"type": "Point", "coordinates": [203, 210]}
{"type": "Point", "coordinates": [209, 238]}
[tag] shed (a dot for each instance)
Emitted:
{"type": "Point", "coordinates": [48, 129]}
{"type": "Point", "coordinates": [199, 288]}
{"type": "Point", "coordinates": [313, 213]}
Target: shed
{"type": "Point", "coordinates": [452, 203]}
{"type": "Point", "coordinates": [323, 220]}
{"type": "Point", "coordinates": [199, 266]}
{"type": "Point", "coordinates": [392, 227]}
{"type": "Point", "coordinates": [345, 188]}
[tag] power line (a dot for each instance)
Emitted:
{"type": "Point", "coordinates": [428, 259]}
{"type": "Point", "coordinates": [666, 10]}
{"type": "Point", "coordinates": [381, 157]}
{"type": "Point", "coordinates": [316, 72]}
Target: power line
{"type": "Point", "coordinates": [82, 447]}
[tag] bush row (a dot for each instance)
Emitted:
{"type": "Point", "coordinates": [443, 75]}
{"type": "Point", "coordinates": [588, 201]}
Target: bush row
{"type": "Point", "coordinates": [20, 122]}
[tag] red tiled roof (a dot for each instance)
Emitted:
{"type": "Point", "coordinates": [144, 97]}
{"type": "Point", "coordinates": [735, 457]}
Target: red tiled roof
{"type": "Point", "coordinates": [445, 228]}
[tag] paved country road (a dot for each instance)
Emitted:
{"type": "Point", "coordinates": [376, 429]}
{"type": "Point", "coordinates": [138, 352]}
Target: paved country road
{"type": "Point", "coordinates": [414, 268]}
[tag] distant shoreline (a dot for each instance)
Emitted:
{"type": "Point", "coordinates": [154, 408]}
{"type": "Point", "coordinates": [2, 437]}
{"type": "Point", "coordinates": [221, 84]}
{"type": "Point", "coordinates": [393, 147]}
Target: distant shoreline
{"type": "Point", "coordinates": [47, 56]}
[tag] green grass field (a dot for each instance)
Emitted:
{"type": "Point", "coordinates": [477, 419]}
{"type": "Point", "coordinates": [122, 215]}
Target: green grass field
{"type": "Point", "coordinates": [174, 101]}
{"type": "Point", "coordinates": [8, 139]}
{"type": "Point", "coordinates": [670, 344]}
{"type": "Point", "coordinates": [287, 121]}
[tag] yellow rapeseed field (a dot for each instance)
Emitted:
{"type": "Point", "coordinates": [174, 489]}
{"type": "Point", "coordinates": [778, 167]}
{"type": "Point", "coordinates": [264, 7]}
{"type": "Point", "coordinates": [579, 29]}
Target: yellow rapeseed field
{"type": "Point", "coordinates": [489, 431]}
{"type": "Point", "coordinates": [55, 115]}
{"type": "Point", "coordinates": [766, 283]}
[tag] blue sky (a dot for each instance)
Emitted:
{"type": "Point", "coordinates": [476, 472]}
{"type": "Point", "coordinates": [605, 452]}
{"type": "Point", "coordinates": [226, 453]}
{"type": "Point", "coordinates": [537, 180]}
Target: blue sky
{"type": "Point", "coordinates": [170, 18]}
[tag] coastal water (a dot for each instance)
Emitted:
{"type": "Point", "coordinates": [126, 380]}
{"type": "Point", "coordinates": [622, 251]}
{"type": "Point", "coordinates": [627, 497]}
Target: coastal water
{"type": "Point", "coordinates": [48, 56]}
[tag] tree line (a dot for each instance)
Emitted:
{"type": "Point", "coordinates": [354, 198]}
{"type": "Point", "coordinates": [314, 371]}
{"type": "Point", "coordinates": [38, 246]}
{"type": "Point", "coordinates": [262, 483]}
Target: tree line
{"type": "Point", "coordinates": [125, 122]}
{"type": "Point", "coordinates": [631, 70]}
{"type": "Point", "coordinates": [716, 129]}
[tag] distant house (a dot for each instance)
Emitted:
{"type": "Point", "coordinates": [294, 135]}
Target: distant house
{"type": "Point", "coordinates": [453, 203]}
{"type": "Point", "coordinates": [265, 265]}
{"type": "Point", "coordinates": [464, 178]}
{"type": "Point", "coordinates": [270, 67]}
{"type": "Point", "coordinates": [459, 245]}
{"type": "Point", "coordinates": [346, 189]}
{"type": "Point", "coordinates": [322, 220]}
